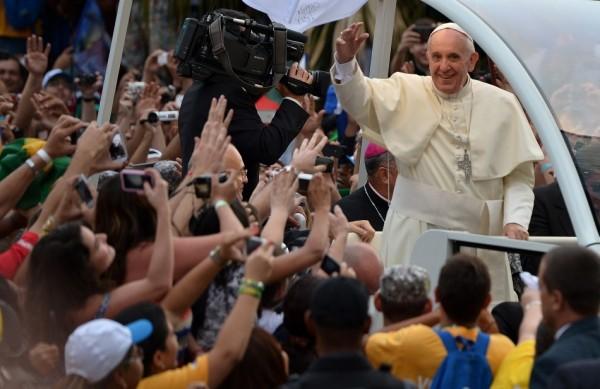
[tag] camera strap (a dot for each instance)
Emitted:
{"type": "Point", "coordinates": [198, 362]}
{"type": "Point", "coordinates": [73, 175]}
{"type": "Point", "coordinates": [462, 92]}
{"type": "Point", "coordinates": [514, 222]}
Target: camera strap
{"type": "Point", "coordinates": [217, 40]}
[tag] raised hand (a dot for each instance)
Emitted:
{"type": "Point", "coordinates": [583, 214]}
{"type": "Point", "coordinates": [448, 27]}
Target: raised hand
{"type": "Point", "coordinates": [409, 38]}
{"type": "Point", "coordinates": [349, 42]}
{"type": "Point", "coordinates": [305, 156]}
{"type": "Point", "coordinates": [49, 107]}
{"type": "Point", "coordinates": [157, 193]}
{"type": "Point", "coordinates": [260, 263]}
{"type": "Point", "coordinates": [319, 195]}
{"type": "Point", "coordinates": [92, 148]}
{"type": "Point", "coordinates": [227, 190]}
{"type": "Point", "coordinates": [210, 149]}
{"type": "Point", "coordinates": [338, 223]}
{"type": "Point", "coordinates": [314, 118]}
{"type": "Point", "coordinates": [149, 99]}
{"type": "Point", "coordinates": [58, 143]}
{"type": "Point", "coordinates": [36, 59]}
{"type": "Point", "coordinates": [283, 193]}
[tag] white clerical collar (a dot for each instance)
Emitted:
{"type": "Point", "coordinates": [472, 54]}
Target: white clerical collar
{"type": "Point", "coordinates": [466, 89]}
{"type": "Point", "coordinates": [561, 331]}
{"type": "Point", "coordinates": [377, 193]}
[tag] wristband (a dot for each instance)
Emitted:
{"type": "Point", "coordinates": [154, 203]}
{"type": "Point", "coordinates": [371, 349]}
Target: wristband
{"type": "Point", "coordinates": [253, 284]}
{"type": "Point", "coordinates": [221, 203]}
{"type": "Point", "coordinates": [248, 291]}
{"type": "Point", "coordinates": [532, 303]}
{"type": "Point", "coordinates": [30, 164]}
{"type": "Point", "coordinates": [43, 154]}
{"type": "Point", "coordinates": [215, 256]}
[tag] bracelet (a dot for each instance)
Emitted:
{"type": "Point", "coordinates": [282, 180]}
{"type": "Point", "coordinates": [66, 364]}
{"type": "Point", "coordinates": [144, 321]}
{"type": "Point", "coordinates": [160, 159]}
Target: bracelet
{"type": "Point", "coordinates": [260, 286]}
{"type": "Point", "coordinates": [30, 164]}
{"type": "Point", "coordinates": [43, 154]}
{"type": "Point", "coordinates": [532, 303]}
{"type": "Point", "coordinates": [248, 291]}
{"type": "Point", "coordinates": [221, 203]}
{"type": "Point", "coordinates": [215, 256]}
{"type": "Point", "coordinates": [48, 225]}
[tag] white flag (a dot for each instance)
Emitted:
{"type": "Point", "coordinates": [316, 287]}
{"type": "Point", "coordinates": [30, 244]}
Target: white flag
{"type": "Point", "coordinates": [300, 15]}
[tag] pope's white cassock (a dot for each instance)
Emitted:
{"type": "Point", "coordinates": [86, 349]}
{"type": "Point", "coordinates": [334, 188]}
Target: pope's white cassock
{"type": "Point", "coordinates": [465, 161]}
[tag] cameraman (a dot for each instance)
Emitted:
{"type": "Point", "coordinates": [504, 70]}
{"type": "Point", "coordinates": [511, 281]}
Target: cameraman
{"type": "Point", "coordinates": [256, 142]}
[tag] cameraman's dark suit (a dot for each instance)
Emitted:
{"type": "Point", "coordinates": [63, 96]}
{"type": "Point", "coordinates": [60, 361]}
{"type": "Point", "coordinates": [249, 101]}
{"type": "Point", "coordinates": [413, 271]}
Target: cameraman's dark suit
{"type": "Point", "coordinates": [256, 142]}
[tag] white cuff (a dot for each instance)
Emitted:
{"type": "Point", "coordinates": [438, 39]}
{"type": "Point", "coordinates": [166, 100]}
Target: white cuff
{"type": "Point", "coordinates": [294, 100]}
{"type": "Point", "coordinates": [345, 71]}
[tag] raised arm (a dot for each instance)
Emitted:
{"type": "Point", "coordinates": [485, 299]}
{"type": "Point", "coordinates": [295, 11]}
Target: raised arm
{"type": "Point", "coordinates": [282, 204]}
{"type": "Point", "coordinates": [233, 338]}
{"type": "Point", "coordinates": [36, 62]}
{"type": "Point", "coordinates": [159, 276]}
{"type": "Point", "coordinates": [318, 239]}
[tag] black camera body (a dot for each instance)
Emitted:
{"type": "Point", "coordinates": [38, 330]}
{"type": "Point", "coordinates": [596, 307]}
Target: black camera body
{"type": "Point", "coordinates": [256, 54]}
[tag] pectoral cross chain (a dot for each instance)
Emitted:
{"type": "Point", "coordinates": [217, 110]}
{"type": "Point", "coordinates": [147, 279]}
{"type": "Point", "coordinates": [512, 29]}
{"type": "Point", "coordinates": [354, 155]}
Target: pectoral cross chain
{"type": "Point", "coordinates": [464, 164]}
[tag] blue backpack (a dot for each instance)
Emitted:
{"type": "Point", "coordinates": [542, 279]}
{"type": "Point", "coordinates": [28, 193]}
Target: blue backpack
{"type": "Point", "coordinates": [464, 368]}
{"type": "Point", "coordinates": [22, 13]}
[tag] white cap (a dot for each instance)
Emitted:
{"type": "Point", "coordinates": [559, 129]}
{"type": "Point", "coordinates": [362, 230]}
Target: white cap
{"type": "Point", "coordinates": [95, 348]}
{"type": "Point", "coordinates": [452, 26]}
{"type": "Point", "coordinates": [55, 73]}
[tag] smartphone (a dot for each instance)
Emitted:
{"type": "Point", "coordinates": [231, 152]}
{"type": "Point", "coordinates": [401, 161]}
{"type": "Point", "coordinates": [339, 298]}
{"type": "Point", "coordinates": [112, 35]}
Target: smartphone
{"type": "Point", "coordinates": [135, 89]}
{"type": "Point", "coordinates": [303, 182]}
{"type": "Point", "coordinates": [84, 192]}
{"type": "Point", "coordinates": [424, 30]}
{"type": "Point", "coordinates": [141, 166]}
{"type": "Point", "coordinates": [75, 135]}
{"type": "Point", "coordinates": [330, 265]}
{"type": "Point", "coordinates": [333, 150]}
{"type": "Point", "coordinates": [252, 243]}
{"type": "Point", "coordinates": [162, 59]}
{"type": "Point", "coordinates": [117, 149]}
{"type": "Point", "coordinates": [133, 180]}
{"type": "Point", "coordinates": [328, 162]}
{"type": "Point", "coordinates": [202, 186]}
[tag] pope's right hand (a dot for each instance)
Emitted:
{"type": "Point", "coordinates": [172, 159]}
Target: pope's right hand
{"type": "Point", "coordinates": [349, 42]}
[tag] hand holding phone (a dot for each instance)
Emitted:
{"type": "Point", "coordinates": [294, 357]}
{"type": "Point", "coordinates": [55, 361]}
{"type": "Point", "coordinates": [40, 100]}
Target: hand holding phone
{"type": "Point", "coordinates": [84, 192]}
{"type": "Point", "coordinates": [133, 180]}
{"type": "Point", "coordinates": [330, 265]}
{"type": "Point", "coordinates": [252, 243]}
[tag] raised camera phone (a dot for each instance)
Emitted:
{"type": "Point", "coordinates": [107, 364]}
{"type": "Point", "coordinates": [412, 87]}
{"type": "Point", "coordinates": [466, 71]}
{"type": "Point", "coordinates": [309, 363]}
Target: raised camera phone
{"type": "Point", "coordinates": [133, 180]}
{"type": "Point", "coordinates": [135, 89]}
{"type": "Point", "coordinates": [328, 162]}
{"type": "Point", "coordinates": [303, 182]}
{"type": "Point", "coordinates": [330, 265]}
{"type": "Point", "coordinates": [84, 192]}
{"type": "Point", "coordinates": [203, 184]}
{"type": "Point", "coordinates": [117, 149]}
{"type": "Point", "coordinates": [333, 150]}
{"type": "Point", "coordinates": [424, 30]}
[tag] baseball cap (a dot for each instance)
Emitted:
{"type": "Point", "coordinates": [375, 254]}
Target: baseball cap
{"type": "Point", "coordinates": [56, 73]}
{"type": "Point", "coordinates": [404, 284]}
{"type": "Point", "coordinates": [340, 303]}
{"type": "Point", "coordinates": [95, 348]}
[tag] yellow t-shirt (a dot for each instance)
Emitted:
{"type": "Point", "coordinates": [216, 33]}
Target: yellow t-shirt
{"type": "Point", "coordinates": [179, 378]}
{"type": "Point", "coordinates": [415, 352]}
{"type": "Point", "coordinates": [515, 370]}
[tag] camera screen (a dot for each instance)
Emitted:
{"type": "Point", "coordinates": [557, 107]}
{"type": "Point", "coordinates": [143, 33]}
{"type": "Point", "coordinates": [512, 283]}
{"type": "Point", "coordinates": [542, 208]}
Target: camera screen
{"type": "Point", "coordinates": [117, 149]}
{"type": "Point", "coordinates": [84, 192]}
{"type": "Point", "coordinates": [135, 181]}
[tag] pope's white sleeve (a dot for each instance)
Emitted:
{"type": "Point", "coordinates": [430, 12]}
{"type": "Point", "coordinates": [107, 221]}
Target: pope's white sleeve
{"type": "Point", "coordinates": [518, 195]}
{"type": "Point", "coordinates": [345, 71]}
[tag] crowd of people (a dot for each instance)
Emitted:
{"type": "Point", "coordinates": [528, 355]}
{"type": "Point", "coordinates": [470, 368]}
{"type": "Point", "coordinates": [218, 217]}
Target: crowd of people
{"type": "Point", "coordinates": [186, 243]}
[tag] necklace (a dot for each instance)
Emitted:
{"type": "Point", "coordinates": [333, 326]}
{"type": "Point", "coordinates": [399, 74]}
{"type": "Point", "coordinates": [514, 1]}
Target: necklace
{"type": "Point", "coordinates": [373, 204]}
{"type": "Point", "coordinates": [464, 163]}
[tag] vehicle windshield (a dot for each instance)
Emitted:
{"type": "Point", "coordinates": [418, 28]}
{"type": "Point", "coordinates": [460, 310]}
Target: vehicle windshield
{"type": "Point", "coordinates": [558, 42]}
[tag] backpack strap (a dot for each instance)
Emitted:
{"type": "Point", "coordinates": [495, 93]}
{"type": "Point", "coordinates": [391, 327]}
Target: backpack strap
{"type": "Point", "coordinates": [448, 340]}
{"type": "Point", "coordinates": [481, 344]}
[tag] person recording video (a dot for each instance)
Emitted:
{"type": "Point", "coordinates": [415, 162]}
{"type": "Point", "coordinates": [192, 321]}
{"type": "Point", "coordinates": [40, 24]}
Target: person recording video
{"type": "Point", "coordinates": [256, 142]}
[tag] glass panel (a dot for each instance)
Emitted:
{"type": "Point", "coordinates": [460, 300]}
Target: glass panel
{"type": "Point", "coordinates": [559, 44]}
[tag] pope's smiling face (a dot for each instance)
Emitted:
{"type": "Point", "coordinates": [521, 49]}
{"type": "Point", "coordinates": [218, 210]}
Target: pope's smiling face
{"type": "Point", "coordinates": [450, 60]}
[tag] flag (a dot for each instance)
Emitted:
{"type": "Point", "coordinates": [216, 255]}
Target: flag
{"type": "Point", "coordinates": [300, 15]}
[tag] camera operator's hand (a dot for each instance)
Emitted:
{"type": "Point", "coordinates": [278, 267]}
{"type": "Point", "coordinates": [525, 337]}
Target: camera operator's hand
{"type": "Point", "coordinates": [304, 157]}
{"type": "Point", "coordinates": [297, 73]}
{"type": "Point", "coordinates": [349, 42]}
